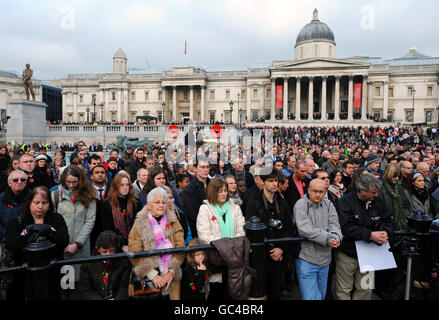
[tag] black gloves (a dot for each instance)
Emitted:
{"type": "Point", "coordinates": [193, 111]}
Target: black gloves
{"type": "Point", "coordinates": [37, 230]}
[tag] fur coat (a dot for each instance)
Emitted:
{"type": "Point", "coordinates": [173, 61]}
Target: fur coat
{"type": "Point", "coordinates": [142, 238]}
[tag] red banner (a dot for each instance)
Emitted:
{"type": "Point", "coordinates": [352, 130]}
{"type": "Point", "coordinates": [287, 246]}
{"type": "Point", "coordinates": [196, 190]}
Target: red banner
{"type": "Point", "coordinates": [357, 95]}
{"type": "Point", "coordinates": [279, 96]}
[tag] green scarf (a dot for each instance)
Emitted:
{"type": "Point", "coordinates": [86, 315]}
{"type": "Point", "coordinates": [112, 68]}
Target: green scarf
{"type": "Point", "coordinates": [227, 228]}
{"type": "Point", "coordinates": [398, 211]}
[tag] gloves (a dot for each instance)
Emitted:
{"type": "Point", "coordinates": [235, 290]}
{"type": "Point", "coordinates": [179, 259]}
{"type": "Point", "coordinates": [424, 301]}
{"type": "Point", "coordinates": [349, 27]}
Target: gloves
{"type": "Point", "coordinates": [37, 230]}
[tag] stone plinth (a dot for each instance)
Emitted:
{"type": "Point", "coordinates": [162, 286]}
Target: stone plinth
{"type": "Point", "coordinates": [28, 121]}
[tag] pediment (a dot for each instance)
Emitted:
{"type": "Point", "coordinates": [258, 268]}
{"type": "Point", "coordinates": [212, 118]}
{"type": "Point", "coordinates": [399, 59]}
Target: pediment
{"type": "Point", "coordinates": [318, 63]}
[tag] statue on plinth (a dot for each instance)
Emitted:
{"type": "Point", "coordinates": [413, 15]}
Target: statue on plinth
{"type": "Point", "coordinates": [27, 75]}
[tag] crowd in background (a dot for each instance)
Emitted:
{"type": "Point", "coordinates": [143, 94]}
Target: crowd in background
{"type": "Point", "coordinates": [332, 186]}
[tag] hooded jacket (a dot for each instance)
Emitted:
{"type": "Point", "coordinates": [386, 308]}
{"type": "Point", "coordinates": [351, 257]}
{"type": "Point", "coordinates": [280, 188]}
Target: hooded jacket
{"type": "Point", "coordinates": [235, 253]}
{"type": "Point", "coordinates": [318, 223]}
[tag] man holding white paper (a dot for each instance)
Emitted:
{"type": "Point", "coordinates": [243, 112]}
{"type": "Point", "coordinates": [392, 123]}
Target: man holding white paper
{"type": "Point", "coordinates": [362, 216]}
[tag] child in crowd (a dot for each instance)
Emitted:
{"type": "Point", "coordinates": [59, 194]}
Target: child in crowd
{"type": "Point", "coordinates": [195, 281]}
{"type": "Point", "coordinates": [105, 280]}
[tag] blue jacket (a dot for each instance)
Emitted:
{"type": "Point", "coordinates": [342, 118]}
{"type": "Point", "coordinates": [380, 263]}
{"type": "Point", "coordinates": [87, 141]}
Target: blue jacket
{"type": "Point", "coordinates": [9, 209]}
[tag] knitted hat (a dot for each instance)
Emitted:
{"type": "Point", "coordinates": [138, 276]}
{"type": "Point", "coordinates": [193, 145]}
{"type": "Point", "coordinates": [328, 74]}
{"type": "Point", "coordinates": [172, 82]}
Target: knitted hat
{"type": "Point", "coordinates": [371, 159]}
{"type": "Point", "coordinates": [41, 157]}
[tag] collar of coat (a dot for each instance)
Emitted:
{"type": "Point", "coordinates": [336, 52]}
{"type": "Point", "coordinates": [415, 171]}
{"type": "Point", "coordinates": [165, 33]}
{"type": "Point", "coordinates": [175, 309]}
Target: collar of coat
{"type": "Point", "coordinates": [142, 216]}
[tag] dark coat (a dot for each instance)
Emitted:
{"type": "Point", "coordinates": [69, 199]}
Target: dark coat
{"type": "Point", "coordinates": [92, 285]}
{"type": "Point", "coordinates": [15, 243]}
{"type": "Point", "coordinates": [194, 283]}
{"type": "Point", "coordinates": [193, 198]}
{"type": "Point", "coordinates": [10, 207]}
{"type": "Point", "coordinates": [235, 252]}
{"type": "Point", "coordinates": [97, 228]}
{"type": "Point", "coordinates": [292, 194]}
{"type": "Point", "coordinates": [357, 223]}
{"type": "Point", "coordinates": [40, 178]}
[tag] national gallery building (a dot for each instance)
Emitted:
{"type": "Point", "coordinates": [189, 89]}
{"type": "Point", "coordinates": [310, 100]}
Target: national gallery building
{"type": "Point", "coordinates": [315, 87]}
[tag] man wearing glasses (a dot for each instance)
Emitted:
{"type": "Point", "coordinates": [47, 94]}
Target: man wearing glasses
{"type": "Point", "coordinates": [79, 147]}
{"type": "Point", "coordinates": [316, 219]}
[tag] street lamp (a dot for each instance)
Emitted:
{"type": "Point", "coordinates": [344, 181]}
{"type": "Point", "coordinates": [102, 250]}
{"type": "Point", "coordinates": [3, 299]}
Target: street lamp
{"type": "Point", "coordinates": [163, 114]}
{"type": "Point", "coordinates": [231, 110]}
{"type": "Point", "coordinates": [88, 114]}
{"type": "Point", "coordinates": [413, 115]}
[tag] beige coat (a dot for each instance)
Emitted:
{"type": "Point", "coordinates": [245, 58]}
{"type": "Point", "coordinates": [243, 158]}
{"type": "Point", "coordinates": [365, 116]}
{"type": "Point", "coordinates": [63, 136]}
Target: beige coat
{"type": "Point", "coordinates": [80, 222]}
{"type": "Point", "coordinates": [142, 238]}
{"type": "Point", "coordinates": [209, 230]}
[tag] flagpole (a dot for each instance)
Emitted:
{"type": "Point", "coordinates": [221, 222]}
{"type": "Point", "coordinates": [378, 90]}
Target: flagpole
{"type": "Point", "coordinates": [185, 51]}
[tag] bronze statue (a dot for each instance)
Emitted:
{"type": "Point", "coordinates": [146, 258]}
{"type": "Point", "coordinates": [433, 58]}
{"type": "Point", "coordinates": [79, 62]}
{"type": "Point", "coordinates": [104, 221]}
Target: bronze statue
{"type": "Point", "coordinates": [27, 75]}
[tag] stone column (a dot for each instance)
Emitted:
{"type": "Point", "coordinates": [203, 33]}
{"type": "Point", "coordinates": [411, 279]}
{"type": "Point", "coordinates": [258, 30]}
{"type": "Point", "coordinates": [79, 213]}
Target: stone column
{"type": "Point", "coordinates": [350, 98]}
{"type": "Point", "coordinates": [364, 99]}
{"type": "Point", "coordinates": [75, 106]}
{"type": "Point", "coordinates": [191, 103]}
{"type": "Point", "coordinates": [285, 104]}
{"type": "Point", "coordinates": [323, 110]}
{"type": "Point", "coordinates": [273, 98]}
{"type": "Point", "coordinates": [262, 103]}
{"type": "Point", "coordinates": [119, 105]}
{"type": "Point", "coordinates": [64, 106]}
{"type": "Point", "coordinates": [369, 99]}
{"type": "Point", "coordinates": [107, 93]}
{"type": "Point", "coordinates": [337, 98]}
{"type": "Point", "coordinates": [386, 99]}
{"type": "Point", "coordinates": [174, 103]}
{"type": "Point", "coordinates": [202, 104]}
{"type": "Point", "coordinates": [125, 114]}
{"type": "Point", "coordinates": [298, 88]}
{"type": "Point", "coordinates": [311, 98]}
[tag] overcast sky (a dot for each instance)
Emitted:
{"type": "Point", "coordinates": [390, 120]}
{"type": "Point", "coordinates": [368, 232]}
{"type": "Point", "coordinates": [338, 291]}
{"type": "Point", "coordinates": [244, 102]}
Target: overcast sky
{"type": "Point", "coordinates": [81, 36]}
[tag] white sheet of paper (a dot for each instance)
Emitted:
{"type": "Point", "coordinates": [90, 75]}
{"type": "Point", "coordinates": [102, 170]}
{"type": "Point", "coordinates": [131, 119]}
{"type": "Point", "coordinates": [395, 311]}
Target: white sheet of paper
{"type": "Point", "coordinates": [372, 257]}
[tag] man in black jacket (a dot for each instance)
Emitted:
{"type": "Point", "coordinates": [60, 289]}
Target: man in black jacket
{"type": "Point", "coordinates": [137, 163]}
{"type": "Point", "coordinates": [362, 216]}
{"type": "Point", "coordinates": [297, 184]}
{"type": "Point", "coordinates": [195, 193]}
{"type": "Point", "coordinates": [275, 213]}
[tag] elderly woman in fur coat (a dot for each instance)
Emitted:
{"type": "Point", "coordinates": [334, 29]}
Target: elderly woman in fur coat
{"type": "Point", "coordinates": [158, 228]}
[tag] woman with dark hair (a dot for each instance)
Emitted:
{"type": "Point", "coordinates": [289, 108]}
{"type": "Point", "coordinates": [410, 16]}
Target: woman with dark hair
{"type": "Point", "coordinates": [417, 194]}
{"type": "Point", "coordinates": [4, 158]}
{"type": "Point", "coordinates": [120, 209]}
{"type": "Point", "coordinates": [38, 218]}
{"type": "Point", "coordinates": [219, 217]}
{"type": "Point", "coordinates": [157, 177]}
{"type": "Point", "coordinates": [14, 164]}
{"type": "Point", "coordinates": [75, 200]}
{"type": "Point", "coordinates": [337, 189]}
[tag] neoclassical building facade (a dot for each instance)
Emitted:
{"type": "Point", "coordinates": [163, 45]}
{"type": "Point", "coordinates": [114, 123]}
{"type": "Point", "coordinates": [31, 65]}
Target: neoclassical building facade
{"type": "Point", "coordinates": [315, 87]}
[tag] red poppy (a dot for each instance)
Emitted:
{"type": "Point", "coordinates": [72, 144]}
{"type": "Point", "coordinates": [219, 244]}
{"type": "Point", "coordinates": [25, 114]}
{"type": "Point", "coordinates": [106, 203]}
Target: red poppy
{"type": "Point", "coordinates": [217, 131]}
{"type": "Point", "coordinates": [10, 206]}
{"type": "Point", "coordinates": [207, 277]}
{"type": "Point", "coordinates": [173, 131]}
{"type": "Point", "coordinates": [31, 180]}
{"type": "Point", "coordinates": [213, 218]}
{"type": "Point", "coordinates": [105, 278]}
{"type": "Point", "coordinates": [168, 227]}
{"type": "Point", "coordinates": [124, 212]}
{"type": "Point", "coordinates": [193, 287]}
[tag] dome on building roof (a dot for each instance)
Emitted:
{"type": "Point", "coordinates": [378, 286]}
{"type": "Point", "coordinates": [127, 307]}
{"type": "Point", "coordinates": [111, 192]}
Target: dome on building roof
{"type": "Point", "coordinates": [315, 30]}
{"type": "Point", "coordinates": [120, 54]}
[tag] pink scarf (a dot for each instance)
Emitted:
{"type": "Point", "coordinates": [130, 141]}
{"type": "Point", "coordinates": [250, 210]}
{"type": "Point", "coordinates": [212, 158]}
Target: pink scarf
{"type": "Point", "coordinates": [160, 241]}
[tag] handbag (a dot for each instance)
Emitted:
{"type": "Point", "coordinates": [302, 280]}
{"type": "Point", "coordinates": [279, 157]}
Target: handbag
{"type": "Point", "coordinates": [144, 288]}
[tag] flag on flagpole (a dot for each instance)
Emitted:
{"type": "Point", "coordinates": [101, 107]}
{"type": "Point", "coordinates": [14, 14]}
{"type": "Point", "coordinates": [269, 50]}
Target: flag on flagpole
{"type": "Point", "coordinates": [185, 46]}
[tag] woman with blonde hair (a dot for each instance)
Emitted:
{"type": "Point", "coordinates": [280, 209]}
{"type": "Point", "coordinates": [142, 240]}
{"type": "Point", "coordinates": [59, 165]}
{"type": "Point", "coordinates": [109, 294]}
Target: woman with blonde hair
{"type": "Point", "coordinates": [119, 210]}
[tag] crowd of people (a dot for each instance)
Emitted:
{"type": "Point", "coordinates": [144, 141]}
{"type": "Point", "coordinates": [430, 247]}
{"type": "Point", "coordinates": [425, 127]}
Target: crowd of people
{"type": "Point", "coordinates": [332, 186]}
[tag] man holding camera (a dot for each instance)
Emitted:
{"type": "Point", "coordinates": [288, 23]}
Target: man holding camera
{"type": "Point", "coordinates": [362, 216]}
{"type": "Point", "coordinates": [275, 213]}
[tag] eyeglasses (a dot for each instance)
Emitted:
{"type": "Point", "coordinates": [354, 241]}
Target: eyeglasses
{"type": "Point", "coordinates": [324, 178]}
{"type": "Point", "coordinates": [16, 180]}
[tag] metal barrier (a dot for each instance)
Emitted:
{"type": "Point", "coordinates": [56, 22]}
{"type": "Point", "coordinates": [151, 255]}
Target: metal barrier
{"type": "Point", "coordinates": [39, 262]}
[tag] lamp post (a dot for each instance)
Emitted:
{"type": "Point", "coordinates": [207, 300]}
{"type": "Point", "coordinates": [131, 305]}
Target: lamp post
{"type": "Point", "coordinates": [231, 110]}
{"type": "Point", "coordinates": [88, 114]}
{"type": "Point", "coordinates": [163, 113]}
{"type": "Point", "coordinates": [413, 115]}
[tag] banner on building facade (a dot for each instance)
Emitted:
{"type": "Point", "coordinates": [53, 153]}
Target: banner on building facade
{"type": "Point", "coordinates": [357, 95]}
{"type": "Point", "coordinates": [279, 96]}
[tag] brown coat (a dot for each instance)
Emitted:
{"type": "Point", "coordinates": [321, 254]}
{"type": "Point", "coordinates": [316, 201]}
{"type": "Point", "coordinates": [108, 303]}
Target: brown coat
{"type": "Point", "coordinates": [142, 238]}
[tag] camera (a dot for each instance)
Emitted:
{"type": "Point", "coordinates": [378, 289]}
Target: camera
{"type": "Point", "coordinates": [275, 223]}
